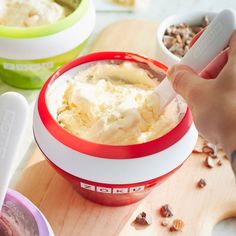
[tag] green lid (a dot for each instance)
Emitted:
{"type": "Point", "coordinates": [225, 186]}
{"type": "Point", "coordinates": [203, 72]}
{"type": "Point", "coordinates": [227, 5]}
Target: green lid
{"type": "Point", "coordinates": [39, 31]}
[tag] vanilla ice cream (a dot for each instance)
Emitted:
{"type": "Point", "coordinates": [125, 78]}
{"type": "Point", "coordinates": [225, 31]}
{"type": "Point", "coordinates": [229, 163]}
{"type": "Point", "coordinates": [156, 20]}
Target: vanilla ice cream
{"type": "Point", "coordinates": [115, 104]}
{"type": "Point", "coordinates": [29, 13]}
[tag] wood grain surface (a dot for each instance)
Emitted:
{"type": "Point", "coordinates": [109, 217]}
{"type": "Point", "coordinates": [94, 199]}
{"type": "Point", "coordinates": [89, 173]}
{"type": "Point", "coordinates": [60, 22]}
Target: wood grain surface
{"type": "Point", "coordinates": [72, 215]}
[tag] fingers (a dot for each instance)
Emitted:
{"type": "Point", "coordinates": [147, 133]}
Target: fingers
{"type": "Point", "coordinates": [229, 70]}
{"type": "Point", "coordinates": [232, 53]}
{"type": "Point", "coordinates": [232, 46]}
{"type": "Point", "coordinates": [226, 58]}
{"type": "Point", "coordinates": [185, 81]}
{"type": "Point", "coordinates": [214, 68]}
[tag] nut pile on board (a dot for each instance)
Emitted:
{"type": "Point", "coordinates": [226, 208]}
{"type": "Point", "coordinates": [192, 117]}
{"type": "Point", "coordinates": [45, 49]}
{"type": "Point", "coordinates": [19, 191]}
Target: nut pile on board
{"type": "Point", "coordinates": [177, 38]}
{"type": "Point", "coordinates": [145, 219]}
{"type": "Point", "coordinates": [213, 157]}
{"type": "Point", "coordinates": [166, 213]}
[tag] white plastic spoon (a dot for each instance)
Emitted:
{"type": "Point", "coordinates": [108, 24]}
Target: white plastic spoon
{"type": "Point", "coordinates": [13, 118]}
{"type": "Point", "coordinates": [213, 40]}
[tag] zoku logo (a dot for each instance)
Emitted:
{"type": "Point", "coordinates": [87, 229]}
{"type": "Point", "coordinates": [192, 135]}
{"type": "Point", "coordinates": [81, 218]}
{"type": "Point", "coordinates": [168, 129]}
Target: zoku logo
{"type": "Point", "coordinates": [111, 190]}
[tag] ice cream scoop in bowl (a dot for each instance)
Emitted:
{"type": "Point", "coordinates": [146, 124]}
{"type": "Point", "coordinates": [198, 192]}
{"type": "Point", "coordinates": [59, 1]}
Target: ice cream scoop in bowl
{"type": "Point", "coordinates": [18, 216]}
{"type": "Point", "coordinates": [113, 155]}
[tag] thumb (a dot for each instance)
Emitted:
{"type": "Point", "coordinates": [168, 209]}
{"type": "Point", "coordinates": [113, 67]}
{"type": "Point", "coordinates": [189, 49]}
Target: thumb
{"type": "Point", "coordinates": [184, 80]}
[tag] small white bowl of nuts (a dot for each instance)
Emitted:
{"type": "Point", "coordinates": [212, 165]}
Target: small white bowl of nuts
{"type": "Point", "coordinates": [175, 33]}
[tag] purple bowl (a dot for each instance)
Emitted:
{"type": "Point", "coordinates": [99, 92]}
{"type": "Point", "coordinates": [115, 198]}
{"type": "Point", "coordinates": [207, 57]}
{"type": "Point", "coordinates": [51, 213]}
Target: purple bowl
{"type": "Point", "coordinates": [26, 214]}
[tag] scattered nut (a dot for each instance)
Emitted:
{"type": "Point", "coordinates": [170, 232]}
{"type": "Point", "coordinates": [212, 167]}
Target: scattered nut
{"type": "Point", "coordinates": [166, 211]}
{"type": "Point", "coordinates": [197, 149]}
{"type": "Point", "coordinates": [165, 223]}
{"type": "Point", "coordinates": [177, 225]}
{"type": "Point", "coordinates": [209, 162]}
{"type": "Point", "coordinates": [208, 150]}
{"type": "Point", "coordinates": [225, 157]}
{"type": "Point", "coordinates": [219, 163]}
{"type": "Point", "coordinates": [211, 145]}
{"type": "Point", "coordinates": [213, 156]}
{"type": "Point", "coordinates": [143, 219]}
{"type": "Point", "coordinates": [201, 183]}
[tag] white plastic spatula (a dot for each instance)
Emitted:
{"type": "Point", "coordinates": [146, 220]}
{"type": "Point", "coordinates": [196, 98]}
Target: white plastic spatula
{"type": "Point", "coordinates": [13, 118]}
{"type": "Point", "coordinates": [213, 40]}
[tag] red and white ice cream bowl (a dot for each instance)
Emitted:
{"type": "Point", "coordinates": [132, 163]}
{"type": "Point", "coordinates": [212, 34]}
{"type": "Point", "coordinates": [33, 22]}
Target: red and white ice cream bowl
{"type": "Point", "coordinates": [108, 174]}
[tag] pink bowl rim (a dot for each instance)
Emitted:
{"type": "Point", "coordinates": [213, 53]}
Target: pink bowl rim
{"type": "Point", "coordinates": [103, 150]}
{"type": "Point", "coordinates": [41, 223]}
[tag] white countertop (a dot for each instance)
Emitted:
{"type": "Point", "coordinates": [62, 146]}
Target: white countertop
{"type": "Point", "coordinates": [159, 10]}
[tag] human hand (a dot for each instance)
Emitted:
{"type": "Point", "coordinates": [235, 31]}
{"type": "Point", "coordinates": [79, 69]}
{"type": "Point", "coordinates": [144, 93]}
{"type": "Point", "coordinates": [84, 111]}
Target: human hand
{"type": "Point", "coordinates": [211, 96]}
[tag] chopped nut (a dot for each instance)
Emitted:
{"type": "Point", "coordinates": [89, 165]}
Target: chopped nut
{"type": "Point", "coordinates": [196, 29]}
{"type": "Point", "coordinates": [209, 162]}
{"type": "Point", "coordinates": [197, 149]}
{"type": "Point", "coordinates": [201, 183]}
{"type": "Point", "coordinates": [219, 163]}
{"type": "Point", "coordinates": [213, 156]}
{"type": "Point", "coordinates": [225, 157]}
{"type": "Point", "coordinates": [178, 38]}
{"type": "Point", "coordinates": [177, 225]}
{"type": "Point", "coordinates": [213, 146]}
{"type": "Point", "coordinates": [143, 219]}
{"type": "Point", "coordinates": [208, 150]}
{"type": "Point", "coordinates": [205, 21]}
{"type": "Point", "coordinates": [181, 36]}
{"type": "Point", "coordinates": [166, 211]}
{"type": "Point", "coordinates": [165, 223]}
{"type": "Point", "coordinates": [169, 41]}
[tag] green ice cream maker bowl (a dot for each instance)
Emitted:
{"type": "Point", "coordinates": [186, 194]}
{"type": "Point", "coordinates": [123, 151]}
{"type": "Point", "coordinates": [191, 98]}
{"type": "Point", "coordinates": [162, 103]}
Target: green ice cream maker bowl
{"type": "Point", "coordinates": [26, 74]}
{"type": "Point", "coordinates": [28, 56]}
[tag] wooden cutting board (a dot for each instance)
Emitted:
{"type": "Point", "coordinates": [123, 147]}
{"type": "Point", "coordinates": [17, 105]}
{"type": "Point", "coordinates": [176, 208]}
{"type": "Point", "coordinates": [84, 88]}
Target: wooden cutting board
{"type": "Point", "coordinates": [72, 215]}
